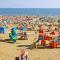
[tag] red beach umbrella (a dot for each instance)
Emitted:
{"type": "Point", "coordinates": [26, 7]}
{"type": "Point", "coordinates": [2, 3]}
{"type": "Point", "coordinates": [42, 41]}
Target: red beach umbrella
{"type": "Point", "coordinates": [53, 33]}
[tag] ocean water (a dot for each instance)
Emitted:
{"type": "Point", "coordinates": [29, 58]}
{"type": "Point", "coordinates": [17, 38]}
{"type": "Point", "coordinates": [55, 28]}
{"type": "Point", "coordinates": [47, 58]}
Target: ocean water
{"type": "Point", "coordinates": [30, 11]}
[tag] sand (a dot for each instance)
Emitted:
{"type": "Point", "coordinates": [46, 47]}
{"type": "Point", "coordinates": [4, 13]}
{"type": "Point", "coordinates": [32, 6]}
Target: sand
{"type": "Point", "coordinates": [8, 51]}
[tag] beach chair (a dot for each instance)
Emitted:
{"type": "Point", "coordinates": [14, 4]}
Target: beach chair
{"type": "Point", "coordinates": [33, 45]}
{"type": "Point", "coordinates": [40, 44]}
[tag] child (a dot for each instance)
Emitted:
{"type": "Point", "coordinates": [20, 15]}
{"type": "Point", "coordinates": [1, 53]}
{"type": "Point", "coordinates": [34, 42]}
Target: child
{"type": "Point", "coordinates": [24, 54]}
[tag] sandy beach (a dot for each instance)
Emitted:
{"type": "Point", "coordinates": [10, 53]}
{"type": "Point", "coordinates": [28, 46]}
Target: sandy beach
{"type": "Point", "coordinates": [8, 51]}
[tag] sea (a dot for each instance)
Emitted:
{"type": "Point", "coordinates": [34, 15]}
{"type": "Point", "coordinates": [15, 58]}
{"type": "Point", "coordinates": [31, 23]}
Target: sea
{"type": "Point", "coordinates": [30, 11]}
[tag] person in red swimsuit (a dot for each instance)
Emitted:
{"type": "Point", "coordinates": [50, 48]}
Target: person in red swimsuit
{"type": "Point", "coordinates": [40, 36]}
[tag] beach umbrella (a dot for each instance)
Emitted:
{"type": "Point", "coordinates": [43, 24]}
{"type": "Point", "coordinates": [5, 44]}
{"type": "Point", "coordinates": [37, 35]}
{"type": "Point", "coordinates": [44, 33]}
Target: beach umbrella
{"type": "Point", "coordinates": [54, 34]}
{"type": "Point", "coordinates": [24, 29]}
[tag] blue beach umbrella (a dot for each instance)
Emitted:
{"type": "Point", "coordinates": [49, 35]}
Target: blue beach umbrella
{"type": "Point", "coordinates": [24, 29]}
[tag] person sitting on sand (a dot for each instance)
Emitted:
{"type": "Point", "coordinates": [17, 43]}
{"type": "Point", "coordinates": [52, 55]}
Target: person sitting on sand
{"type": "Point", "coordinates": [24, 54]}
{"type": "Point", "coordinates": [40, 36]}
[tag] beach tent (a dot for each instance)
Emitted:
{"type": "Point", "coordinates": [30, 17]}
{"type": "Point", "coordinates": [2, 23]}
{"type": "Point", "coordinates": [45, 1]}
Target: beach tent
{"type": "Point", "coordinates": [2, 29]}
{"type": "Point", "coordinates": [13, 34]}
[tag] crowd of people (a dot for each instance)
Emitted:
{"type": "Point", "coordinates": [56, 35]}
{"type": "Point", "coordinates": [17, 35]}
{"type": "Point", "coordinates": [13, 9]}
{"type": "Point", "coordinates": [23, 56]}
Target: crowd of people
{"type": "Point", "coordinates": [48, 39]}
{"type": "Point", "coordinates": [27, 21]}
{"type": "Point", "coordinates": [47, 28]}
{"type": "Point", "coordinates": [31, 23]}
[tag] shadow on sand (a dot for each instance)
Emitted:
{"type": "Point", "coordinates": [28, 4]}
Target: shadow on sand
{"type": "Point", "coordinates": [9, 41]}
{"type": "Point", "coordinates": [6, 40]}
{"type": "Point", "coordinates": [20, 39]}
{"type": "Point", "coordinates": [29, 47]}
